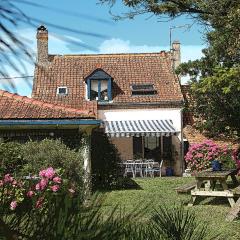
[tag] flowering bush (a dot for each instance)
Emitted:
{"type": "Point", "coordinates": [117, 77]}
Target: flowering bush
{"type": "Point", "coordinates": [200, 156]}
{"type": "Point", "coordinates": [236, 156]}
{"type": "Point", "coordinates": [33, 192]}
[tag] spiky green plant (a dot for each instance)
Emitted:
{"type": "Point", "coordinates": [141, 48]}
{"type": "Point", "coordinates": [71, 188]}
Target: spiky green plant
{"type": "Point", "coordinates": [177, 223]}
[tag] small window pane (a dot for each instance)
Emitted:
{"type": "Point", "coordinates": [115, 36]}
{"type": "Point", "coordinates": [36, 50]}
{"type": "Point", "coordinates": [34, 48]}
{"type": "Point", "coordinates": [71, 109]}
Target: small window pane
{"type": "Point", "coordinates": [62, 91]}
{"type": "Point", "coordinates": [143, 89]}
{"type": "Point", "coordinates": [99, 88]}
{"type": "Point", "coordinates": [104, 90]}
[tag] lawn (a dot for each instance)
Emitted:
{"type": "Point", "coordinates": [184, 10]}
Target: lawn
{"type": "Point", "coordinates": [158, 191]}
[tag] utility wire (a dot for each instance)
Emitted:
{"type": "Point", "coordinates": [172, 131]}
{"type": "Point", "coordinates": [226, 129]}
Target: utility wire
{"type": "Point", "coordinates": [15, 77]}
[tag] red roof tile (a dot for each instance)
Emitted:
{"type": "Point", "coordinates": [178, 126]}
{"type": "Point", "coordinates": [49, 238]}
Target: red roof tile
{"type": "Point", "coordinates": [125, 69]}
{"type": "Point", "coordinates": [13, 106]}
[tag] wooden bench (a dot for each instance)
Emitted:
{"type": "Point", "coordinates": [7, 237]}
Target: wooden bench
{"type": "Point", "coordinates": [186, 187]}
{"type": "Point", "coordinates": [235, 210]}
{"type": "Point", "coordinates": [236, 191]}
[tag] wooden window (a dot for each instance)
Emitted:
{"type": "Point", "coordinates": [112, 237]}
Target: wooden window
{"type": "Point", "coordinates": [99, 86]}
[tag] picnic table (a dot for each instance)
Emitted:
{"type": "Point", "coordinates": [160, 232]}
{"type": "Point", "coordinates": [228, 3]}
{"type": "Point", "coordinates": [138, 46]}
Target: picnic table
{"type": "Point", "coordinates": [206, 183]}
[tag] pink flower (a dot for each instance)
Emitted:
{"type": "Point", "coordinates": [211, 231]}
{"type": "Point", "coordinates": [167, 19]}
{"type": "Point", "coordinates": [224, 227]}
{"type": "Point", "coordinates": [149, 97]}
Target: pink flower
{"type": "Point", "coordinates": [38, 187]}
{"type": "Point", "coordinates": [57, 180]}
{"type": "Point", "coordinates": [13, 205]}
{"type": "Point", "coordinates": [39, 202]}
{"type": "Point", "coordinates": [50, 173]}
{"type": "Point", "coordinates": [54, 188]}
{"type": "Point", "coordinates": [43, 183]}
{"type": "Point", "coordinates": [30, 193]}
{"type": "Point", "coordinates": [47, 173]}
{"type": "Point", "coordinates": [8, 178]}
{"type": "Point", "coordinates": [14, 183]}
{"type": "Point", "coordinates": [42, 173]}
{"type": "Point", "coordinates": [1, 183]}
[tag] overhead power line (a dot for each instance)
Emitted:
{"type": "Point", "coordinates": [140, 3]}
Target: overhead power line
{"type": "Point", "coordinates": [5, 78]}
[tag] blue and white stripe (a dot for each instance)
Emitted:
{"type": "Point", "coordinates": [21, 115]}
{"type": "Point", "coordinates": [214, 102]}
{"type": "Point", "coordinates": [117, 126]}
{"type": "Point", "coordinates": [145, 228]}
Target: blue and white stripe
{"type": "Point", "coordinates": [129, 128]}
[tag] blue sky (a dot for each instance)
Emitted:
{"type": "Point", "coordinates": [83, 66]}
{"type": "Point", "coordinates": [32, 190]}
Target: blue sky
{"type": "Point", "coordinates": [145, 33]}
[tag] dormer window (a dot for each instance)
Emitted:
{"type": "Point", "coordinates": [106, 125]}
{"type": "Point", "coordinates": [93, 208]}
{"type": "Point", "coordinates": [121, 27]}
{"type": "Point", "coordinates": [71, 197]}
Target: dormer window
{"type": "Point", "coordinates": [143, 89]}
{"type": "Point", "coordinates": [99, 86]}
{"type": "Point", "coordinates": [62, 91]}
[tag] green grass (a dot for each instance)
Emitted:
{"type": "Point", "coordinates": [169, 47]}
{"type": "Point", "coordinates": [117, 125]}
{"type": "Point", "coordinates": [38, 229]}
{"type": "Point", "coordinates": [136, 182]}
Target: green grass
{"type": "Point", "coordinates": [158, 191]}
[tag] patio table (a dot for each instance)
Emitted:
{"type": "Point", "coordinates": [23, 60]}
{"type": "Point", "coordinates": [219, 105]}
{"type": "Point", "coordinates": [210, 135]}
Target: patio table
{"type": "Point", "coordinates": [206, 183]}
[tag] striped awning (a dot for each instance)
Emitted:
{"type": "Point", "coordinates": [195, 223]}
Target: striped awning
{"type": "Point", "coordinates": [128, 128]}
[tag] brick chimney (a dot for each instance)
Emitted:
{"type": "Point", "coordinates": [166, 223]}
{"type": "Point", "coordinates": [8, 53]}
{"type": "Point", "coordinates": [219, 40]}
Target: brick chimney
{"type": "Point", "coordinates": [176, 54]}
{"type": "Point", "coordinates": [42, 46]}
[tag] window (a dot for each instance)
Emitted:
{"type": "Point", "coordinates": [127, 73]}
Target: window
{"type": "Point", "coordinates": [99, 86]}
{"type": "Point", "coordinates": [62, 91]}
{"type": "Point", "coordinates": [99, 90]}
{"type": "Point", "coordinates": [143, 89]}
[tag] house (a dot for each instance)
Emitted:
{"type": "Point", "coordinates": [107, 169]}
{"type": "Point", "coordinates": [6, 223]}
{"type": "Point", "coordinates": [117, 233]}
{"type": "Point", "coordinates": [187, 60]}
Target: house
{"type": "Point", "coordinates": [137, 96]}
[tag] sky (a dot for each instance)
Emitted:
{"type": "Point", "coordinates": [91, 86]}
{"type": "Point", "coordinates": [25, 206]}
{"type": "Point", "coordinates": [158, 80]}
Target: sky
{"type": "Point", "coordinates": [93, 30]}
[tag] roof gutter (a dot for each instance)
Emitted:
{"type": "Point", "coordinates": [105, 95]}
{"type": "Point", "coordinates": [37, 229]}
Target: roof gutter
{"type": "Point", "coordinates": [13, 122]}
{"type": "Point", "coordinates": [162, 103]}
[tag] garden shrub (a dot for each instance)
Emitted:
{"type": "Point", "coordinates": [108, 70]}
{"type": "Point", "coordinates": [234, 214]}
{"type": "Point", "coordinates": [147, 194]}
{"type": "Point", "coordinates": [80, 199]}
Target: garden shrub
{"type": "Point", "coordinates": [200, 156]}
{"type": "Point", "coordinates": [11, 159]}
{"type": "Point", "coordinates": [105, 161]}
{"type": "Point", "coordinates": [46, 153]}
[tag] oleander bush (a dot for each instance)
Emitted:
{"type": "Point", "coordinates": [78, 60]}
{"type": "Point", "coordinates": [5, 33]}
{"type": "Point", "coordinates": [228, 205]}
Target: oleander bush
{"type": "Point", "coordinates": [200, 156]}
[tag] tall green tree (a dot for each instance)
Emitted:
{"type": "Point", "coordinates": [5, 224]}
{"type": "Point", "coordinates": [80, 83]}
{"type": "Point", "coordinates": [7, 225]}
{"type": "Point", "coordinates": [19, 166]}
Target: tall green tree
{"type": "Point", "coordinates": [215, 77]}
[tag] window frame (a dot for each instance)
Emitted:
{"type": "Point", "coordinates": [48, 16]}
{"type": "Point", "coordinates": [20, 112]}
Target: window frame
{"type": "Point", "coordinates": [62, 94]}
{"type": "Point", "coordinates": [104, 77]}
{"type": "Point", "coordinates": [143, 91]}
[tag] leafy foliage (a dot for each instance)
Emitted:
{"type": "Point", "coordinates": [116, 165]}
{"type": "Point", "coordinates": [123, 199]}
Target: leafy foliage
{"type": "Point", "coordinates": [43, 154]}
{"type": "Point", "coordinates": [11, 159]}
{"type": "Point", "coordinates": [216, 102]}
{"type": "Point", "coordinates": [10, 44]}
{"type": "Point", "coordinates": [177, 224]}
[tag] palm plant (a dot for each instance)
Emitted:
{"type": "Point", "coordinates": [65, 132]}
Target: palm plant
{"type": "Point", "coordinates": [177, 223]}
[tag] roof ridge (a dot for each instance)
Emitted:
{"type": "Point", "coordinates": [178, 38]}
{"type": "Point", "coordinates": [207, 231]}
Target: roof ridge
{"type": "Point", "coordinates": [161, 53]}
{"type": "Point", "coordinates": [41, 103]}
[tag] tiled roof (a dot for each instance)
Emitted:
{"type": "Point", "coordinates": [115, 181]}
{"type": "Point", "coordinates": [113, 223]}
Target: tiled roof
{"type": "Point", "coordinates": [13, 106]}
{"type": "Point", "coordinates": [125, 69]}
{"type": "Point", "coordinates": [195, 136]}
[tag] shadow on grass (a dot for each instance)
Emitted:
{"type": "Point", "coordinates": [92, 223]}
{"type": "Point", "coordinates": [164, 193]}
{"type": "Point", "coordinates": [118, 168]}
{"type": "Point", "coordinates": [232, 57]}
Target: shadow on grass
{"type": "Point", "coordinates": [122, 183]}
{"type": "Point", "coordinates": [215, 201]}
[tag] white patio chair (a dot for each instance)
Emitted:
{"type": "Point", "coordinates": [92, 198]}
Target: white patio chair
{"type": "Point", "coordinates": [157, 168]}
{"type": "Point", "coordinates": [138, 167]}
{"type": "Point", "coordinates": [129, 168]}
{"type": "Point", "coordinates": [149, 168]}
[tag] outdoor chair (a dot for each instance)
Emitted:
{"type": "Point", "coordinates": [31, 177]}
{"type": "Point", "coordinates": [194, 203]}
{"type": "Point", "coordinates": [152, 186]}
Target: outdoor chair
{"type": "Point", "coordinates": [157, 168]}
{"type": "Point", "coordinates": [138, 167]}
{"type": "Point", "coordinates": [149, 168]}
{"type": "Point", "coordinates": [129, 168]}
